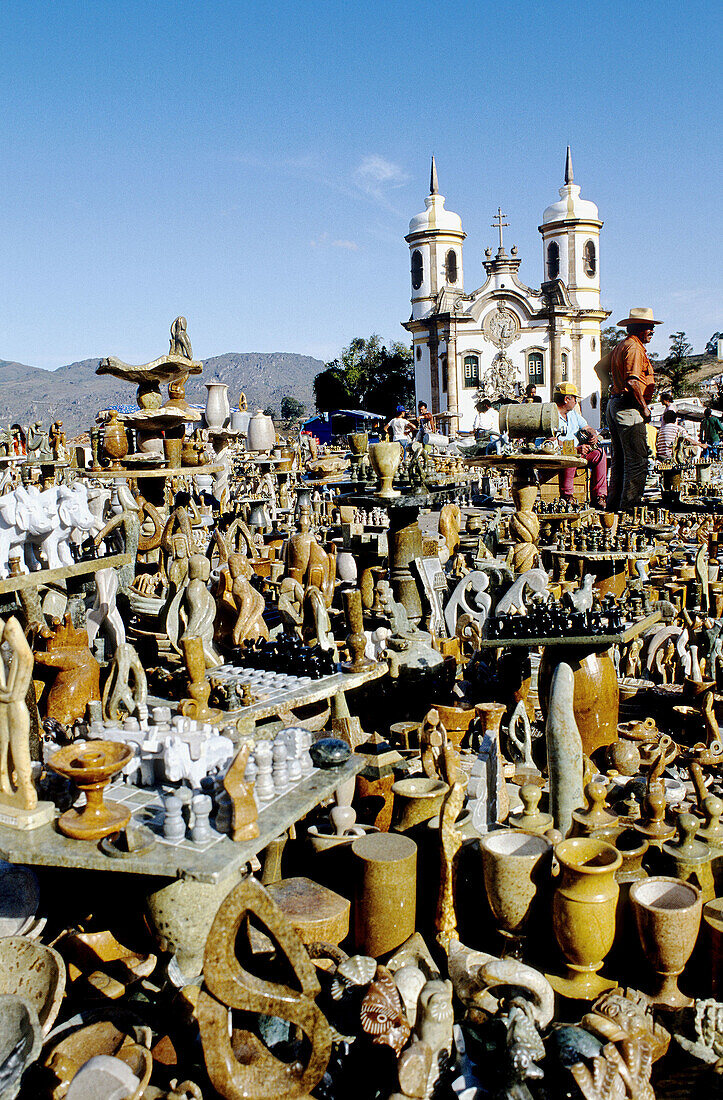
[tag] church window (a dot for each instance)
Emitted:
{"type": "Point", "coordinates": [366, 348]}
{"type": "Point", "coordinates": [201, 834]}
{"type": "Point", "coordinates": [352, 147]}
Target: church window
{"type": "Point", "coordinates": [553, 260]}
{"type": "Point", "coordinates": [535, 368]}
{"type": "Point", "coordinates": [471, 372]}
{"type": "Point", "coordinates": [451, 266]}
{"type": "Point", "coordinates": [589, 259]}
{"type": "Point", "coordinates": [443, 364]}
{"type": "Point", "coordinates": [417, 269]}
{"type": "Point", "coordinates": [563, 367]}
{"type": "Point", "coordinates": [419, 351]}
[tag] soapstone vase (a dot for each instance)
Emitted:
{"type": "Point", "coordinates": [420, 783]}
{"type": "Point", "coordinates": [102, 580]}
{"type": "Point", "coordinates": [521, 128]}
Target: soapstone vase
{"type": "Point", "coordinates": [218, 411]}
{"type": "Point", "coordinates": [583, 913]}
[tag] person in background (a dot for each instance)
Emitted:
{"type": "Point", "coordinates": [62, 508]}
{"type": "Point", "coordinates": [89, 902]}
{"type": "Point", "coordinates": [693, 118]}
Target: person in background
{"type": "Point", "coordinates": [668, 432]}
{"type": "Point", "coordinates": [711, 432]}
{"type": "Point", "coordinates": [666, 400]}
{"type": "Point", "coordinates": [531, 397]}
{"type": "Point", "coordinates": [487, 418]}
{"type": "Point", "coordinates": [632, 387]}
{"type": "Point", "coordinates": [425, 421]}
{"type": "Point", "coordinates": [399, 429]}
{"type": "Point", "coordinates": [574, 426]}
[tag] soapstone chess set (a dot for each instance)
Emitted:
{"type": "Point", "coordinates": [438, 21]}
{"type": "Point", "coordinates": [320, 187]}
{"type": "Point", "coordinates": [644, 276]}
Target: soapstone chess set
{"type": "Point", "coordinates": [180, 815]}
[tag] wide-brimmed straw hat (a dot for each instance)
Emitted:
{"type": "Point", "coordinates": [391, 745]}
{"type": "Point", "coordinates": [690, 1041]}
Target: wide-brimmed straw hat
{"type": "Point", "coordinates": [639, 315]}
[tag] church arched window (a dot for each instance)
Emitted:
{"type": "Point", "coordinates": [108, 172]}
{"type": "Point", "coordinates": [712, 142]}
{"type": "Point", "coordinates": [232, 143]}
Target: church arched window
{"type": "Point", "coordinates": [535, 368]}
{"type": "Point", "coordinates": [417, 269]}
{"type": "Point", "coordinates": [471, 372]}
{"type": "Point", "coordinates": [553, 260]}
{"type": "Point", "coordinates": [563, 367]}
{"type": "Point", "coordinates": [451, 266]}
{"type": "Point", "coordinates": [589, 259]}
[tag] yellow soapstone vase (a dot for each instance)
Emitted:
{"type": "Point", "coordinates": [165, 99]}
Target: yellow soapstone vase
{"type": "Point", "coordinates": [583, 914]}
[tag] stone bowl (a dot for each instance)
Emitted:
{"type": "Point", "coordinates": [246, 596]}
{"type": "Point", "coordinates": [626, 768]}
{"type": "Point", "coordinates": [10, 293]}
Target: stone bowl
{"type": "Point", "coordinates": [74, 1050]}
{"type": "Point", "coordinates": [416, 800]}
{"type": "Point", "coordinates": [34, 972]}
{"type": "Point", "coordinates": [92, 761]}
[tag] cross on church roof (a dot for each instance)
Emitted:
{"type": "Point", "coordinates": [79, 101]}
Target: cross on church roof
{"type": "Point", "coordinates": [499, 224]}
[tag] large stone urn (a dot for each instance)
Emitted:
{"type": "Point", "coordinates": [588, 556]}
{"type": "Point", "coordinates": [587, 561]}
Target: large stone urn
{"type": "Point", "coordinates": [596, 695]}
{"type": "Point", "coordinates": [260, 434]}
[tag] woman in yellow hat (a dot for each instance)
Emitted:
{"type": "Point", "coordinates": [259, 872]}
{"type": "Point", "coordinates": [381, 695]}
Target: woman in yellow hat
{"type": "Point", "coordinates": [575, 427]}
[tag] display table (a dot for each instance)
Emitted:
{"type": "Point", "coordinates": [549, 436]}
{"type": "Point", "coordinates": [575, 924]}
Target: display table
{"type": "Point", "coordinates": [209, 863]}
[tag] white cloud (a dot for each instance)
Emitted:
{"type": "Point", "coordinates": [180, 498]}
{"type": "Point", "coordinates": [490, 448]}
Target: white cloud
{"type": "Point", "coordinates": [374, 171]}
{"type": "Point", "coordinates": [323, 240]}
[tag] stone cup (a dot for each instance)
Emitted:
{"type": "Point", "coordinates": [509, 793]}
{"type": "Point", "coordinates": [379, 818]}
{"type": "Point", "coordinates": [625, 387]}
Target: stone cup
{"type": "Point", "coordinates": [668, 914]}
{"type": "Point", "coordinates": [386, 459]}
{"type": "Point", "coordinates": [515, 865]}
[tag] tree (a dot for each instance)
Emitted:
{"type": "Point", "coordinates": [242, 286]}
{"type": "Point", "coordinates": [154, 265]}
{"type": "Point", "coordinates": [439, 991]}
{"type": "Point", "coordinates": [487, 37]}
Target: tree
{"type": "Point", "coordinates": [678, 366]}
{"type": "Point", "coordinates": [367, 375]}
{"type": "Point", "coordinates": [611, 336]}
{"type": "Point", "coordinates": [291, 408]}
{"type": "Point", "coordinates": [270, 411]}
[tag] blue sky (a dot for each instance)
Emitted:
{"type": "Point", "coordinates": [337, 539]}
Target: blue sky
{"type": "Point", "coordinates": [255, 166]}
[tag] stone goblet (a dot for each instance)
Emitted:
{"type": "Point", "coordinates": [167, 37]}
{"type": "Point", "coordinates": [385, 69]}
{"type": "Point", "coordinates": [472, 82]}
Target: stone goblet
{"type": "Point", "coordinates": [515, 865]}
{"type": "Point", "coordinates": [668, 913]}
{"type": "Point", "coordinates": [91, 766]}
{"type": "Point", "coordinates": [386, 459]}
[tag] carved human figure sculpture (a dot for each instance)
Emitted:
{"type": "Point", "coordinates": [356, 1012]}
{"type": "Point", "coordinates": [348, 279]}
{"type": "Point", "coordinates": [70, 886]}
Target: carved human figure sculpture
{"type": "Point", "coordinates": [15, 721]}
{"type": "Point", "coordinates": [199, 608]}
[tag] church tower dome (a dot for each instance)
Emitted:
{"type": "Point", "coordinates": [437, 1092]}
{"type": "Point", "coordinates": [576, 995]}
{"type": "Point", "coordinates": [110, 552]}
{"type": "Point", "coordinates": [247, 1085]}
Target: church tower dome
{"type": "Point", "coordinates": [435, 243]}
{"type": "Point", "coordinates": [571, 237]}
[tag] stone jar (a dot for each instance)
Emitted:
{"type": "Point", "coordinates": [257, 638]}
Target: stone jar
{"type": "Point", "coordinates": [456, 721]}
{"type": "Point", "coordinates": [583, 912]}
{"type": "Point", "coordinates": [260, 434]}
{"type": "Point", "coordinates": [115, 441]}
{"type": "Point", "coordinates": [596, 695]}
{"type": "Point", "coordinates": [217, 406]}
{"type": "Point", "coordinates": [385, 892]}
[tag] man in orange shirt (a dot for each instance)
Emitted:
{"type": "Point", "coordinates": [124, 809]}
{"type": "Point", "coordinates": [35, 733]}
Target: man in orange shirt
{"type": "Point", "coordinates": [632, 386]}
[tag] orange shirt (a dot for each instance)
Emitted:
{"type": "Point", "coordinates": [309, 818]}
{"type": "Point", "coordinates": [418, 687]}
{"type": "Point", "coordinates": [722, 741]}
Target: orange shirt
{"type": "Point", "coordinates": [629, 360]}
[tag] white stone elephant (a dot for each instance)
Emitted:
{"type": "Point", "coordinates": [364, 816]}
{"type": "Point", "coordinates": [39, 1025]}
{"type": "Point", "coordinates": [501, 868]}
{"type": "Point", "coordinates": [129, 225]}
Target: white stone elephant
{"type": "Point", "coordinates": [25, 521]}
{"type": "Point", "coordinates": [68, 506]}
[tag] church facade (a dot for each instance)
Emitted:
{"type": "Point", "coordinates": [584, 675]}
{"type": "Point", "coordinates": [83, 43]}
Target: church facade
{"type": "Point", "coordinates": [494, 341]}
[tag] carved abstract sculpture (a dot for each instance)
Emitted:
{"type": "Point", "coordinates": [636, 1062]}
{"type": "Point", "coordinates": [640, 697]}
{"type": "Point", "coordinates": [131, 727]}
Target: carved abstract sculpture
{"type": "Point", "coordinates": [244, 811]}
{"type": "Point", "coordinates": [126, 691]}
{"type": "Point", "coordinates": [199, 689]}
{"type": "Point", "coordinates": [238, 1064]}
{"type": "Point", "coordinates": [240, 606]}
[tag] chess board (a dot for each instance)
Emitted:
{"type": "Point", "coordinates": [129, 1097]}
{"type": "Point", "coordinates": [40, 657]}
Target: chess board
{"type": "Point", "coordinates": [146, 808]}
{"type": "Point", "coordinates": [265, 685]}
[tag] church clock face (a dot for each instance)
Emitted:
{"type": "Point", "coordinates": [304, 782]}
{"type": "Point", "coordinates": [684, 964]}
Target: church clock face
{"type": "Point", "coordinates": [501, 327]}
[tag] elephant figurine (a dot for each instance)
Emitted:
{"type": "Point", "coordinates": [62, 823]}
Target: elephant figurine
{"type": "Point", "coordinates": [69, 508]}
{"type": "Point", "coordinates": [25, 520]}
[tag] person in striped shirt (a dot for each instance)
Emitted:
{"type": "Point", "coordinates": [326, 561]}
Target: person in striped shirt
{"type": "Point", "coordinates": [668, 434]}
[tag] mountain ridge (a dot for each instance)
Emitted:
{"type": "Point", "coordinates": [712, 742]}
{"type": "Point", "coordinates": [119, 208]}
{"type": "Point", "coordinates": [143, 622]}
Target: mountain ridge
{"type": "Point", "coordinates": [74, 393]}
